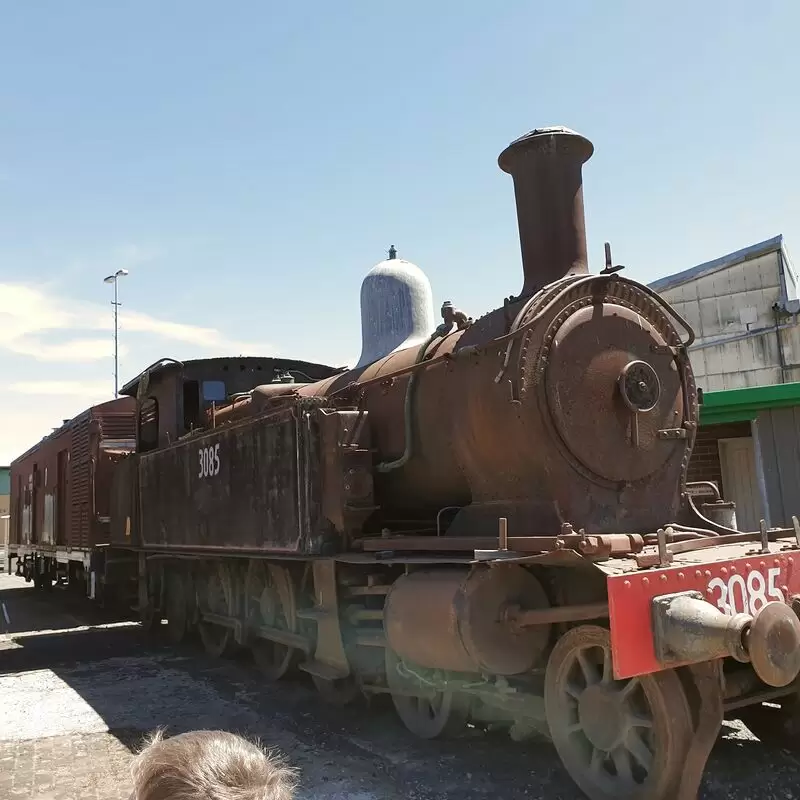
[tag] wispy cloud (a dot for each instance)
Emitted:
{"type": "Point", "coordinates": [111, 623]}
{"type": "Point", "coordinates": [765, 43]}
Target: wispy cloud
{"type": "Point", "coordinates": [91, 389]}
{"type": "Point", "coordinates": [29, 316]}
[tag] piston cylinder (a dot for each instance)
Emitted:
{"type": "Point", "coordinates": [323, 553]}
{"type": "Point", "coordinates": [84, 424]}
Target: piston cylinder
{"type": "Point", "coordinates": [456, 620]}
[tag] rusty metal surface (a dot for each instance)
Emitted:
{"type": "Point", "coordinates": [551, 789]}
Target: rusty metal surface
{"type": "Point", "coordinates": [498, 452]}
{"type": "Point", "coordinates": [517, 384]}
{"type": "Point", "coordinates": [707, 678]}
{"type": "Point", "coordinates": [624, 740]}
{"type": "Point", "coordinates": [456, 620]}
{"type": "Point", "coordinates": [773, 644]}
{"type": "Point", "coordinates": [253, 487]}
{"type": "Point", "coordinates": [166, 383]}
{"type": "Point", "coordinates": [735, 578]}
{"type": "Point", "coordinates": [496, 548]}
{"type": "Point", "coordinates": [124, 503]}
{"type": "Point", "coordinates": [546, 167]}
{"type": "Point", "coordinates": [420, 620]}
{"type": "Point", "coordinates": [68, 475]}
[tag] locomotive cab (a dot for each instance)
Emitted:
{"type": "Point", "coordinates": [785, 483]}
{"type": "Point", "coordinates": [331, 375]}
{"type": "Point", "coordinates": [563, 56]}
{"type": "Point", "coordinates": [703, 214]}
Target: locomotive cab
{"type": "Point", "coordinates": [174, 397]}
{"type": "Point", "coordinates": [173, 400]}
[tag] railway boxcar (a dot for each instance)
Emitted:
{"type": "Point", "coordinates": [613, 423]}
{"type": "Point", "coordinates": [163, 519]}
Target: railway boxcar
{"type": "Point", "coordinates": [60, 493]}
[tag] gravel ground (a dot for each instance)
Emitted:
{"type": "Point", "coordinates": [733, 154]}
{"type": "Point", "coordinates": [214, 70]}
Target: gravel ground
{"type": "Point", "coordinates": [77, 700]}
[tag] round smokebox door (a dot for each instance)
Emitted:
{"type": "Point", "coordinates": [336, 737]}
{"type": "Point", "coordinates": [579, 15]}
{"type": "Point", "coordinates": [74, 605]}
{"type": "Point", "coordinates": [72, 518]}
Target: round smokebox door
{"type": "Point", "coordinates": [610, 392]}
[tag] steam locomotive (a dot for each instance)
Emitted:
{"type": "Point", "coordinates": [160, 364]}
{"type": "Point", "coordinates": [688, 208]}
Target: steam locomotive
{"type": "Point", "coordinates": [489, 520]}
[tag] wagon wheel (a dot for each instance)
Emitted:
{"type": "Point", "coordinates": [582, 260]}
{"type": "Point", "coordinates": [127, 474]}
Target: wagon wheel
{"type": "Point", "coordinates": [270, 600]}
{"type": "Point", "coordinates": [617, 739]}
{"type": "Point", "coordinates": [775, 725]}
{"type": "Point", "coordinates": [434, 714]}
{"type": "Point", "coordinates": [217, 597]}
{"type": "Point", "coordinates": [177, 606]}
{"type": "Point", "coordinates": [337, 691]}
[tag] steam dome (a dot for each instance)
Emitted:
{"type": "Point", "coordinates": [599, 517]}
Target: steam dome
{"type": "Point", "coordinates": [396, 308]}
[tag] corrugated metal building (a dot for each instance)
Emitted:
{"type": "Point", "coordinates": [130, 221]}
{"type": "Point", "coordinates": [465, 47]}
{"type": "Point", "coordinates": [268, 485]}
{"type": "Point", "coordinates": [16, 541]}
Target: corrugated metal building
{"type": "Point", "coordinates": [744, 309]}
{"type": "Point", "coordinates": [749, 445]}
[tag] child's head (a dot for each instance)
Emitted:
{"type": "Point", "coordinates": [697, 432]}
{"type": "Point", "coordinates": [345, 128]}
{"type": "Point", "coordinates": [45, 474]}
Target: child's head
{"type": "Point", "coordinates": [209, 765]}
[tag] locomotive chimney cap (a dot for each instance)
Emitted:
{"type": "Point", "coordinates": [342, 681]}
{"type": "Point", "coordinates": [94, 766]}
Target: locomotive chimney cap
{"type": "Point", "coordinates": [554, 136]}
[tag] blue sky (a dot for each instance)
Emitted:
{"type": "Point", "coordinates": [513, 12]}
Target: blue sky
{"type": "Point", "coordinates": [248, 162]}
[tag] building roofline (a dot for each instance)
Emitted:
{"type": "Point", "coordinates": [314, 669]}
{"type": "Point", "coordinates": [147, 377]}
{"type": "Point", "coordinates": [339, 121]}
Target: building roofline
{"type": "Point", "coordinates": [772, 245]}
{"type": "Point", "coordinates": [744, 405]}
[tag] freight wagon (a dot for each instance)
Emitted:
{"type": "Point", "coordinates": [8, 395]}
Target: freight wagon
{"type": "Point", "coordinates": [60, 494]}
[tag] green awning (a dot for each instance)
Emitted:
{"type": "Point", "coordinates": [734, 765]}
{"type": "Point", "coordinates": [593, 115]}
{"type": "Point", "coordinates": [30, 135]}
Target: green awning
{"type": "Point", "coordinates": [743, 405]}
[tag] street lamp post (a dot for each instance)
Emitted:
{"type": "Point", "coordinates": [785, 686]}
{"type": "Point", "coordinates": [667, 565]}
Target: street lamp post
{"type": "Point", "coordinates": [113, 279]}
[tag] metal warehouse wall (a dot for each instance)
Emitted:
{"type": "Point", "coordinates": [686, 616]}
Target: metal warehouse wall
{"type": "Point", "coordinates": [731, 312]}
{"type": "Point", "coordinates": [778, 442]}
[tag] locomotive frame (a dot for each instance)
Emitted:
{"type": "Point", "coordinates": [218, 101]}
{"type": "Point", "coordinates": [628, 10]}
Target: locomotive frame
{"type": "Point", "coordinates": [449, 524]}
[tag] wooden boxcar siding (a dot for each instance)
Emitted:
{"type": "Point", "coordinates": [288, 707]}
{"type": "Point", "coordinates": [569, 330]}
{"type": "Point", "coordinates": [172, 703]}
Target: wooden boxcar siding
{"type": "Point", "coordinates": [116, 422]}
{"type": "Point", "coordinates": [253, 501]}
{"type": "Point", "coordinates": [28, 525]}
{"type": "Point", "coordinates": [85, 474]}
{"type": "Point", "coordinates": [778, 440]}
{"type": "Point", "coordinates": [80, 474]}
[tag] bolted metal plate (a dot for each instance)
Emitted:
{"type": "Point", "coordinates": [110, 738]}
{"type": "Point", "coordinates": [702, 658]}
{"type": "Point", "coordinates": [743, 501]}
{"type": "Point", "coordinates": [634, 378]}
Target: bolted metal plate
{"type": "Point", "coordinates": [734, 586]}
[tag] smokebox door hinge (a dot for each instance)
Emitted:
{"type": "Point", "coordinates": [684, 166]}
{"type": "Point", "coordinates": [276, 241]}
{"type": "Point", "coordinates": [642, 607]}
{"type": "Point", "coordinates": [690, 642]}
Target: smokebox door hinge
{"type": "Point", "coordinates": [672, 433]}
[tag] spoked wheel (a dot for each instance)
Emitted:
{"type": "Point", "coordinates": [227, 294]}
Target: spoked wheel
{"type": "Point", "coordinates": [270, 601]}
{"type": "Point", "coordinates": [177, 606]}
{"type": "Point", "coordinates": [776, 725]}
{"type": "Point", "coordinates": [617, 739]}
{"type": "Point", "coordinates": [217, 597]}
{"type": "Point", "coordinates": [430, 715]}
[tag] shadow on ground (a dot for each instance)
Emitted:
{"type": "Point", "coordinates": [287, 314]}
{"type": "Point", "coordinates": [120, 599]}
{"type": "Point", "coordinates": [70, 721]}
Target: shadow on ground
{"type": "Point", "coordinates": [121, 679]}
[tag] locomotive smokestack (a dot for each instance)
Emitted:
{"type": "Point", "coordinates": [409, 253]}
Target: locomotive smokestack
{"type": "Point", "coordinates": [548, 186]}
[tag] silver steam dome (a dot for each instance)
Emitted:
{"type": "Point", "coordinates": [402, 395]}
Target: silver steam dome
{"type": "Point", "coordinates": [396, 308]}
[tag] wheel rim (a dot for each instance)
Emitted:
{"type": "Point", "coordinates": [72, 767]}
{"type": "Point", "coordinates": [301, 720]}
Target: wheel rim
{"type": "Point", "coordinates": [177, 609]}
{"type": "Point", "coordinates": [264, 606]}
{"type": "Point", "coordinates": [620, 739]}
{"type": "Point", "coordinates": [218, 600]}
{"type": "Point", "coordinates": [430, 715]}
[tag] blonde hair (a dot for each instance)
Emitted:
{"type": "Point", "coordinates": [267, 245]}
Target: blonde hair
{"type": "Point", "coordinates": [209, 765]}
